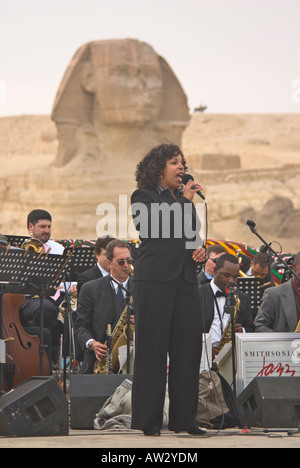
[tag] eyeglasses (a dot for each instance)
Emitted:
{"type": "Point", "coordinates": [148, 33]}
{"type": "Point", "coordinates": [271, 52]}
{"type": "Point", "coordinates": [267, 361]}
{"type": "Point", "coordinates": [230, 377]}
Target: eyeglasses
{"type": "Point", "coordinates": [213, 259]}
{"type": "Point", "coordinates": [122, 262]}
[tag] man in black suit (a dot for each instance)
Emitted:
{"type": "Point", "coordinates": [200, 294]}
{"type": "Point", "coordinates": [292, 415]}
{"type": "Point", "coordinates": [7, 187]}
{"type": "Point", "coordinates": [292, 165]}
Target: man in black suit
{"type": "Point", "coordinates": [213, 297]}
{"type": "Point", "coordinates": [100, 304]}
{"type": "Point", "coordinates": [101, 268]}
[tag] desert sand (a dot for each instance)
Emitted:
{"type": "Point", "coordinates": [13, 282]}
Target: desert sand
{"type": "Point", "coordinates": [268, 147]}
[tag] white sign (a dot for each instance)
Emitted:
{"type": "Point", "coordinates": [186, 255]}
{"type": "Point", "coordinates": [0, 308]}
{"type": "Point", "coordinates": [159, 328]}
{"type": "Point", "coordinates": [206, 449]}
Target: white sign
{"type": "Point", "coordinates": [266, 355]}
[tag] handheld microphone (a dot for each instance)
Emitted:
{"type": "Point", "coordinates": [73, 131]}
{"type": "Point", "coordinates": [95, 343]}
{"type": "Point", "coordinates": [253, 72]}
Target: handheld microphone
{"type": "Point", "coordinates": [186, 178]}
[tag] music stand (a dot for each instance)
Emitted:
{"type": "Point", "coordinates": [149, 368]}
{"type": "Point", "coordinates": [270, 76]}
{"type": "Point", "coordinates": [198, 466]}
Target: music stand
{"type": "Point", "coordinates": [16, 241]}
{"type": "Point", "coordinates": [253, 287]}
{"type": "Point", "coordinates": [83, 258]}
{"type": "Point", "coordinates": [34, 274]}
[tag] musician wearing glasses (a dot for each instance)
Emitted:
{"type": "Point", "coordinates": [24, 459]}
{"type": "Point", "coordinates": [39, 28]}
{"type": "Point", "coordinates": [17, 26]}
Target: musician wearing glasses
{"type": "Point", "coordinates": [213, 252]}
{"type": "Point", "coordinates": [101, 302]}
{"type": "Point", "coordinates": [101, 268]}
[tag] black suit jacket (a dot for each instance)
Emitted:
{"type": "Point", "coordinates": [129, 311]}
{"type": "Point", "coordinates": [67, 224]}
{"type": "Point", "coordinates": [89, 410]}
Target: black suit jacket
{"type": "Point", "coordinates": [98, 306]}
{"type": "Point", "coordinates": [163, 256]}
{"type": "Point", "coordinates": [244, 316]}
{"type": "Point", "coordinates": [88, 275]}
{"type": "Point", "coordinates": [202, 279]}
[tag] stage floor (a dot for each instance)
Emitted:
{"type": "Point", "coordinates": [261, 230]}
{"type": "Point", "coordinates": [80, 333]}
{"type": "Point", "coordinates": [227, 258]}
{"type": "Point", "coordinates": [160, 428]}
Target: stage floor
{"type": "Point", "coordinates": [112, 442]}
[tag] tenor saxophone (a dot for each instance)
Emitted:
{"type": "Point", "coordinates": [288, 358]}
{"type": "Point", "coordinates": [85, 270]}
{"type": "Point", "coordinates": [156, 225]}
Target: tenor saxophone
{"type": "Point", "coordinates": [110, 365]}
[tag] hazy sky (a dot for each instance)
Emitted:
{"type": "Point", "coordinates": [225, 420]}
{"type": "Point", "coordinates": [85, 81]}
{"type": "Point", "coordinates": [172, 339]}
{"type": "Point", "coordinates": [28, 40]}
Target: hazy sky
{"type": "Point", "coordinates": [235, 56]}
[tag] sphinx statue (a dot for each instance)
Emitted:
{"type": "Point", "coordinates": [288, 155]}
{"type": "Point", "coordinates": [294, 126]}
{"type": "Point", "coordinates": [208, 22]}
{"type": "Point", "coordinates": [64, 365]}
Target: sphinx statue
{"type": "Point", "coordinates": [117, 98]}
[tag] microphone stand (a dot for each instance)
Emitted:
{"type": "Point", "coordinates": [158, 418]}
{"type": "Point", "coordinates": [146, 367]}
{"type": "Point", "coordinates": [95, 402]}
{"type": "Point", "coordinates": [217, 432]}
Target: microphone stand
{"type": "Point", "coordinates": [252, 225]}
{"type": "Point", "coordinates": [129, 309]}
{"type": "Point", "coordinates": [229, 308]}
{"type": "Point", "coordinates": [67, 332]}
{"type": "Point", "coordinates": [2, 291]}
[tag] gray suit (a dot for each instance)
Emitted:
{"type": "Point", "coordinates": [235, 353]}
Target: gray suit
{"type": "Point", "coordinates": [278, 311]}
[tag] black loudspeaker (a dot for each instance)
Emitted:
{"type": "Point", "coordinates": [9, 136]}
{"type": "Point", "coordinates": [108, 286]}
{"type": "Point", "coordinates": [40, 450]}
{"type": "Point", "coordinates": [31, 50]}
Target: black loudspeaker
{"type": "Point", "coordinates": [88, 395]}
{"type": "Point", "coordinates": [36, 407]}
{"type": "Point", "coordinates": [271, 402]}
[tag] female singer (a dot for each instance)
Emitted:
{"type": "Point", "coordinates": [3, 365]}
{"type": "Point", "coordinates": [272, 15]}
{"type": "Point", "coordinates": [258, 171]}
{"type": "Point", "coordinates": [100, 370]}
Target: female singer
{"type": "Point", "coordinates": [166, 298]}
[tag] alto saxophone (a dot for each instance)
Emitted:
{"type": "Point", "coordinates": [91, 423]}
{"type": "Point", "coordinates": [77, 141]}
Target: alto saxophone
{"type": "Point", "coordinates": [110, 364]}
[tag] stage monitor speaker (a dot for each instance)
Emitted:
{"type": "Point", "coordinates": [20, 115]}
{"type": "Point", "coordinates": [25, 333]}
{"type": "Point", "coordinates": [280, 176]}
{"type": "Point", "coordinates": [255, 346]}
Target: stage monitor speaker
{"type": "Point", "coordinates": [271, 402]}
{"type": "Point", "coordinates": [36, 407]}
{"type": "Point", "coordinates": [88, 395]}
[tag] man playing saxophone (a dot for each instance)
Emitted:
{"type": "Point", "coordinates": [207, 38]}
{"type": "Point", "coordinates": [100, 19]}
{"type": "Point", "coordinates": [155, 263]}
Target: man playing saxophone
{"type": "Point", "coordinates": [214, 296]}
{"type": "Point", "coordinates": [101, 303]}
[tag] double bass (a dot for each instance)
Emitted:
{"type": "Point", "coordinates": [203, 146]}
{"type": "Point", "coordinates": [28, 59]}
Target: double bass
{"type": "Point", "coordinates": [22, 349]}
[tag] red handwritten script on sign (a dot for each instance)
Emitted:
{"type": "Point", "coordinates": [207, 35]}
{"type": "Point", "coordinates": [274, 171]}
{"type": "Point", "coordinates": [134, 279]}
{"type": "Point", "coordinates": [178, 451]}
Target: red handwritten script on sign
{"type": "Point", "coordinates": [279, 369]}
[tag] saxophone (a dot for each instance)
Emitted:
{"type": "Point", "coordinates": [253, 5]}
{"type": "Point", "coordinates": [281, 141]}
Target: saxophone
{"type": "Point", "coordinates": [110, 364]}
{"type": "Point", "coordinates": [297, 329]}
{"type": "Point", "coordinates": [227, 334]}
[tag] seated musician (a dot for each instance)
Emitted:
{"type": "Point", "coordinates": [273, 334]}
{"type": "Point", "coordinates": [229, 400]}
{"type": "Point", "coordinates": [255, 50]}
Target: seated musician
{"type": "Point", "coordinates": [100, 303]}
{"type": "Point", "coordinates": [39, 224]}
{"type": "Point", "coordinates": [208, 272]}
{"type": "Point", "coordinates": [101, 268]}
{"type": "Point", "coordinates": [259, 266]}
{"type": "Point", "coordinates": [213, 297]}
{"type": "Point", "coordinates": [280, 308]}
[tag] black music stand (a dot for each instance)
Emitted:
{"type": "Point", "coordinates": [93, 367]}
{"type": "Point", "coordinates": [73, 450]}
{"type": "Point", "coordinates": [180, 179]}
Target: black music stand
{"type": "Point", "coordinates": [34, 274]}
{"type": "Point", "coordinates": [83, 258]}
{"type": "Point", "coordinates": [16, 241]}
{"type": "Point", "coordinates": [253, 287]}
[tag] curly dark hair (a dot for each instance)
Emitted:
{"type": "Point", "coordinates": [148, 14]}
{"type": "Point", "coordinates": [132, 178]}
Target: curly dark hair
{"type": "Point", "coordinates": [149, 170]}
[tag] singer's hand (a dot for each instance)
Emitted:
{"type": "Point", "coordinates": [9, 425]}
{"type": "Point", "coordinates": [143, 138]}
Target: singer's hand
{"type": "Point", "coordinates": [190, 189]}
{"type": "Point", "coordinates": [99, 349]}
{"type": "Point", "coordinates": [199, 255]}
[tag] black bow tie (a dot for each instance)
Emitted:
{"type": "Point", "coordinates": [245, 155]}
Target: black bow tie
{"type": "Point", "coordinates": [221, 294]}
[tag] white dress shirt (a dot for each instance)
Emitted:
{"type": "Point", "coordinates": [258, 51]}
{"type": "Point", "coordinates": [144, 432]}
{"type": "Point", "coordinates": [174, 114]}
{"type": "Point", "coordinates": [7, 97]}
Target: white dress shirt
{"type": "Point", "coordinates": [216, 329]}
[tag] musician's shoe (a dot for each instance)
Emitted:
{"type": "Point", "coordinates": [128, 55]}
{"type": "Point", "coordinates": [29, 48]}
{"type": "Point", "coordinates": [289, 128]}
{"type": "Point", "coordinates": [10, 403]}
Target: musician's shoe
{"type": "Point", "coordinates": [154, 432]}
{"type": "Point", "coordinates": [197, 431]}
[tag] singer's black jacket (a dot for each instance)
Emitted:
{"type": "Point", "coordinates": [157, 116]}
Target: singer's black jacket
{"type": "Point", "coordinates": [164, 258]}
{"type": "Point", "coordinates": [244, 316]}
